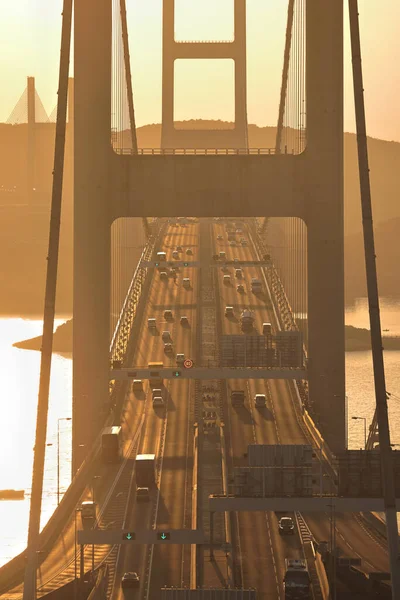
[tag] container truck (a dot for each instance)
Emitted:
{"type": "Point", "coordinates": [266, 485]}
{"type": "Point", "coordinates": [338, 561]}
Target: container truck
{"type": "Point", "coordinates": [145, 467]}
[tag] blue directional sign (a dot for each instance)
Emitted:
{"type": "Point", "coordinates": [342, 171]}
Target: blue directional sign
{"type": "Point", "coordinates": [128, 536]}
{"type": "Point", "coordinates": [163, 535]}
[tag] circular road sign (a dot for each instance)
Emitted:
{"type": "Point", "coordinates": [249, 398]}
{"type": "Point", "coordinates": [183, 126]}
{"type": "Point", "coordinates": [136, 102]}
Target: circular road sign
{"type": "Point", "coordinates": [188, 364]}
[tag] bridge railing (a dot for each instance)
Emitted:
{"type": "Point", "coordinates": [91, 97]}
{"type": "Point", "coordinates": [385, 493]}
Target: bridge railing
{"type": "Point", "coordinates": [197, 151]}
{"type": "Point", "coordinates": [285, 312]}
{"type": "Point", "coordinates": [122, 332]}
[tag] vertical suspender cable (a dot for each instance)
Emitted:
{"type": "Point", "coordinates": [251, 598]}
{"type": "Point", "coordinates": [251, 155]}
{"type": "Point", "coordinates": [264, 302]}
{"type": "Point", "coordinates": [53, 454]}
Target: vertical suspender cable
{"type": "Point", "coordinates": [49, 310]}
{"type": "Point", "coordinates": [285, 72]}
{"type": "Point", "coordinates": [373, 302]}
{"type": "Point", "coordinates": [128, 78]}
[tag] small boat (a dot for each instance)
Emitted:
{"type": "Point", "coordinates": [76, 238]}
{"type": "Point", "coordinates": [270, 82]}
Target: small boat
{"type": "Point", "coordinates": [386, 330]}
{"type": "Point", "coordinates": [12, 494]}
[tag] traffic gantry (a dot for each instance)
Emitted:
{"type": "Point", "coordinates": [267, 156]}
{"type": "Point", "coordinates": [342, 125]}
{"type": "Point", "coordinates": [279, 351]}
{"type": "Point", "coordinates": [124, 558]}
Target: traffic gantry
{"type": "Point", "coordinates": [107, 537]}
{"type": "Point", "coordinates": [209, 373]}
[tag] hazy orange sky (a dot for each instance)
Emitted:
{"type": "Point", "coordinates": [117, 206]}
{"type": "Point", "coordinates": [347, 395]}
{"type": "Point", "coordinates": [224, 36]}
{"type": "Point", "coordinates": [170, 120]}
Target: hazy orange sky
{"type": "Point", "coordinates": [30, 39]}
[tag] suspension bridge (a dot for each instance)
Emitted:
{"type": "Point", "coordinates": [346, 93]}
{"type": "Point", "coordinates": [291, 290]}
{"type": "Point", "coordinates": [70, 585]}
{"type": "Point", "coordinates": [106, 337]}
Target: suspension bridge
{"type": "Point", "coordinates": [279, 213]}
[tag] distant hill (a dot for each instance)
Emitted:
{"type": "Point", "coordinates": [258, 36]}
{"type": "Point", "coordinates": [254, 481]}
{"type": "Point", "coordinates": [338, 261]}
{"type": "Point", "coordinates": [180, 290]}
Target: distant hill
{"type": "Point", "coordinates": [24, 235]}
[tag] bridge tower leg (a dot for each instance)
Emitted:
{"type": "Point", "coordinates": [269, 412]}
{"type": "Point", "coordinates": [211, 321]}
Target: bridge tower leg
{"type": "Point", "coordinates": [92, 225]}
{"type": "Point", "coordinates": [324, 217]}
{"type": "Point", "coordinates": [235, 50]}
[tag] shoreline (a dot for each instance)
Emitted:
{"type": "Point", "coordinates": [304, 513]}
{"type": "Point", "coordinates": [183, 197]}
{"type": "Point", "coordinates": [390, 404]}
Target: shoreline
{"type": "Point", "coordinates": [356, 339]}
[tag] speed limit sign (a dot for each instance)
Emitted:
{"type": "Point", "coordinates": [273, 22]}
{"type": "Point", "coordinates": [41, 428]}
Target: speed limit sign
{"type": "Point", "coordinates": [188, 364]}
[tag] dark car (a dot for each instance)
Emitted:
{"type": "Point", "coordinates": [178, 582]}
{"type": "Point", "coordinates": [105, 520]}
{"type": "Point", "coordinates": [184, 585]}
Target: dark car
{"type": "Point", "coordinates": [168, 315]}
{"type": "Point", "coordinates": [286, 526]}
{"type": "Point", "coordinates": [184, 321]}
{"type": "Point", "coordinates": [130, 580]}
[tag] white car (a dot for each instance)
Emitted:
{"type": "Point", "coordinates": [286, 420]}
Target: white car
{"type": "Point", "coordinates": [229, 311]}
{"type": "Point", "coordinates": [186, 282]}
{"type": "Point", "coordinates": [168, 348]}
{"type": "Point", "coordinates": [180, 359]}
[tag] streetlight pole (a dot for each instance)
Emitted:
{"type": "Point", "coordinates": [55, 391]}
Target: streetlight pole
{"type": "Point", "coordinates": [76, 572]}
{"type": "Point", "coordinates": [95, 477]}
{"type": "Point", "coordinates": [58, 455]}
{"type": "Point", "coordinates": [365, 428]}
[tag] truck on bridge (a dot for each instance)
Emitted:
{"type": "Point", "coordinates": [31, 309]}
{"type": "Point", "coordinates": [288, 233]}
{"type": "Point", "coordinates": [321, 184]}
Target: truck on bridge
{"type": "Point", "coordinates": [111, 444]}
{"type": "Point", "coordinates": [145, 467]}
{"type": "Point", "coordinates": [296, 582]}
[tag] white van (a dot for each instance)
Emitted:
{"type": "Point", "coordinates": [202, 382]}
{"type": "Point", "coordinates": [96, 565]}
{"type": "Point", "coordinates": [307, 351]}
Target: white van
{"type": "Point", "coordinates": [227, 279]}
{"type": "Point", "coordinates": [151, 323]}
{"type": "Point", "coordinates": [229, 311]}
{"type": "Point", "coordinates": [186, 282]}
{"type": "Point", "coordinates": [260, 400]}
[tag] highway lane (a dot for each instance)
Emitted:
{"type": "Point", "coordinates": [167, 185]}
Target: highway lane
{"type": "Point", "coordinates": [172, 505]}
{"type": "Point", "coordinates": [257, 550]}
{"type": "Point", "coordinates": [172, 563]}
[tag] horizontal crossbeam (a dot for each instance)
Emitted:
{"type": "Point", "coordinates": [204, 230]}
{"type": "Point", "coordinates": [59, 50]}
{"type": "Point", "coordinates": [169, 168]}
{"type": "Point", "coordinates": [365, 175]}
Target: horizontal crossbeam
{"type": "Point", "coordinates": [213, 373]}
{"type": "Point", "coordinates": [142, 536]}
{"type": "Point", "coordinates": [302, 504]}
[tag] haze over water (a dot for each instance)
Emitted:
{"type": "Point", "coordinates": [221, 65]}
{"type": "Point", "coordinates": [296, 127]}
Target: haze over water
{"type": "Point", "coordinates": [20, 380]}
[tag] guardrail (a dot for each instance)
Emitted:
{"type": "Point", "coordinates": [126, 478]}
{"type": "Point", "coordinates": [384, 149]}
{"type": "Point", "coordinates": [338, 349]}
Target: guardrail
{"type": "Point", "coordinates": [284, 311]}
{"type": "Point", "coordinates": [193, 547]}
{"type": "Point", "coordinates": [120, 339]}
{"type": "Point", "coordinates": [197, 151]}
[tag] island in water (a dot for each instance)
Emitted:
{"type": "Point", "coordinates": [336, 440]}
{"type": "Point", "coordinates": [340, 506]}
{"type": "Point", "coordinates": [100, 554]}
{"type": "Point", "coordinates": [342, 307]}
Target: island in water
{"type": "Point", "coordinates": [355, 339]}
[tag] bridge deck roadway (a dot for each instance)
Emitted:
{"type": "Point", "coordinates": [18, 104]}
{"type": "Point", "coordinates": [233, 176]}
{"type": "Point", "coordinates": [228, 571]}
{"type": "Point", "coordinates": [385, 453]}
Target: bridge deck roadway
{"type": "Point", "coordinates": [279, 423]}
{"type": "Point", "coordinates": [171, 508]}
